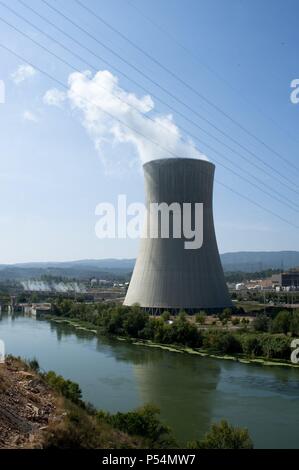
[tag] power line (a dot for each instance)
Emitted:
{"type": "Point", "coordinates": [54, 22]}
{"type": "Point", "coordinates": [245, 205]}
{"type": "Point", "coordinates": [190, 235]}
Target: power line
{"type": "Point", "coordinates": [110, 65]}
{"type": "Point", "coordinates": [162, 88]}
{"type": "Point", "coordinates": [282, 201]}
{"type": "Point", "coordinates": [183, 82]}
{"type": "Point", "coordinates": [199, 60]}
{"type": "Point", "coordinates": [176, 156]}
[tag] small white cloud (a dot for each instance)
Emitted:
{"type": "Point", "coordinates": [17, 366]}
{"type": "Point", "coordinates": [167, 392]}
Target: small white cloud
{"type": "Point", "coordinates": [54, 97]}
{"type": "Point", "coordinates": [29, 116]}
{"type": "Point", "coordinates": [23, 72]}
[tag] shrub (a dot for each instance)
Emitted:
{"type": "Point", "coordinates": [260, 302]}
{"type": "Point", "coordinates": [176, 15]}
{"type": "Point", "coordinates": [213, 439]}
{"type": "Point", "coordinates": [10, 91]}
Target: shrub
{"type": "Point", "coordinates": [251, 345]}
{"type": "Point", "coordinates": [222, 342]}
{"type": "Point", "coordinates": [200, 318]}
{"type": "Point", "coordinates": [165, 315]}
{"type": "Point", "coordinates": [33, 364]}
{"type": "Point", "coordinates": [294, 324]}
{"type": "Point", "coordinates": [275, 346]}
{"type": "Point", "coordinates": [282, 322]}
{"type": "Point", "coordinates": [261, 323]}
{"type": "Point", "coordinates": [142, 422]}
{"type": "Point", "coordinates": [67, 388]}
{"type": "Point", "coordinates": [224, 436]}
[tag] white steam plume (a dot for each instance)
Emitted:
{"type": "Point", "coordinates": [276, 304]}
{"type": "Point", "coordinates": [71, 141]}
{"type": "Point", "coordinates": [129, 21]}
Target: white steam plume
{"type": "Point", "coordinates": [95, 96]}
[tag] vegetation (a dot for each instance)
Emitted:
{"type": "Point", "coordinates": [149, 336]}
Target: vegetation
{"type": "Point", "coordinates": [142, 422]}
{"type": "Point", "coordinates": [267, 336]}
{"type": "Point", "coordinates": [224, 436]}
{"type": "Point", "coordinates": [241, 276]}
{"type": "Point", "coordinates": [67, 388]}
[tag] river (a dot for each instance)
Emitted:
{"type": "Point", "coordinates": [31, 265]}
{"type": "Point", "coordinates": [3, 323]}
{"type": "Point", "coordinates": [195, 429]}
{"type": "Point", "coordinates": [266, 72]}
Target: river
{"type": "Point", "coordinates": [191, 391]}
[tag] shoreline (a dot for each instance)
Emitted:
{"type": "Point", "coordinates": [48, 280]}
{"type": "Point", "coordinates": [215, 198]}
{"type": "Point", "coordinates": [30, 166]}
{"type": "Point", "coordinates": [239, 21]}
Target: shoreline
{"type": "Point", "coordinates": [172, 347]}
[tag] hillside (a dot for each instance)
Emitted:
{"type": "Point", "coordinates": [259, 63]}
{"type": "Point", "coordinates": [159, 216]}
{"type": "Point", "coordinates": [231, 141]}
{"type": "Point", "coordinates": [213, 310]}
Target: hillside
{"type": "Point", "coordinates": [251, 261]}
{"type": "Point", "coordinates": [246, 261]}
{"type": "Point", "coordinates": [34, 415]}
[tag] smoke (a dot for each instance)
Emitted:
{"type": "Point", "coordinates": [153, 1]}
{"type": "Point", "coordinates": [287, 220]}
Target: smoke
{"type": "Point", "coordinates": [62, 287]}
{"type": "Point", "coordinates": [118, 126]}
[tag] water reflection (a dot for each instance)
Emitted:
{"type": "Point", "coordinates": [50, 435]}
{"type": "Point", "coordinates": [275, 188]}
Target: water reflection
{"type": "Point", "coordinates": [191, 391]}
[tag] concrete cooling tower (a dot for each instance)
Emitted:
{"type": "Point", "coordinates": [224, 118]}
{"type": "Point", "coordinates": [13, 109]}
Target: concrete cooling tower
{"type": "Point", "coordinates": [166, 274]}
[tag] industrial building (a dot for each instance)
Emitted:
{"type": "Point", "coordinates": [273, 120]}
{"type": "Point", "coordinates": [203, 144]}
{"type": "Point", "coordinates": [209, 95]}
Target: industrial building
{"type": "Point", "coordinates": [288, 279]}
{"type": "Point", "coordinates": [166, 274]}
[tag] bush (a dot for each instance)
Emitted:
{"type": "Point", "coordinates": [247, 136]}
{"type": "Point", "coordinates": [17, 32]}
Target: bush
{"type": "Point", "coordinates": [67, 388]}
{"type": "Point", "coordinates": [261, 323]}
{"type": "Point", "coordinates": [221, 342]}
{"type": "Point", "coordinates": [251, 345]}
{"type": "Point", "coordinates": [200, 318]}
{"type": "Point", "coordinates": [275, 346]}
{"type": "Point", "coordinates": [282, 322]}
{"type": "Point", "coordinates": [33, 364]}
{"type": "Point", "coordinates": [224, 436]}
{"type": "Point", "coordinates": [142, 422]}
{"type": "Point", "coordinates": [294, 324]}
{"type": "Point", "coordinates": [165, 315]}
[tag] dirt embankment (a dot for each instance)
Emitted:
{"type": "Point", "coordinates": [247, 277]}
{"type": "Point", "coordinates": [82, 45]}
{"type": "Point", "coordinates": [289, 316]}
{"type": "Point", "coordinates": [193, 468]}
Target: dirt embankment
{"type": "Point", "coordinates": [27, 406]}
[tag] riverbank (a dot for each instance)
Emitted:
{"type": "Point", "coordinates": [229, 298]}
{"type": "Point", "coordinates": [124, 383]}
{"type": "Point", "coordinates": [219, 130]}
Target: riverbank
{"type": "Point", "coordinates": [44, 410]}
{"type": "Point", "coordinates": [27, 406]}
{"type": "Point", "coordinates": [242, 358]}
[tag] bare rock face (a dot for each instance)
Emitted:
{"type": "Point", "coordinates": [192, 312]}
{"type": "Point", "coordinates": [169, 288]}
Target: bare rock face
{"type": "Point", "coordinates": [27, 406]}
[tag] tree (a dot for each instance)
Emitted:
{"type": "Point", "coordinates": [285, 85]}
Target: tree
{"type": "Point", "coordinates": [251, 345]}
{"type": "Point", "coordinates": [143, 422]}
{"type": "Point", "coordinates": [200, 317]}
{"type": "Point", "coordinates": [294, 324]}
{"type": "Point", "coordinates": [67, 388]}
{"type": "Point", "coordinates": [282, 322]}
{"type": "Point", "coordinates": [276, 346]}
{"type": "Point", "coordinates": [165, 315]}
{"type": "Point", "coordinates": [224, 436]}
{"type": "Point", "coordinates": [221, 342]}
{"type": "Point", "coordinates": [261, 323]}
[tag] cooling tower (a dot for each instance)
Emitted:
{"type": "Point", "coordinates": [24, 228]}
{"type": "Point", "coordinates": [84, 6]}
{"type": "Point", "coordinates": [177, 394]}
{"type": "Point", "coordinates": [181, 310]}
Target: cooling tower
{"type": "Point", "coordinates": [166, 274]}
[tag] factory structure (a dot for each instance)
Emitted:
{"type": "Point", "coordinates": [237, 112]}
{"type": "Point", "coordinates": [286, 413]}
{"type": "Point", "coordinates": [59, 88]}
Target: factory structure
{"type": "Point", "coordinates": [287, 281]}
{"type": "Point", "coordinates": [167, 275]}
{"type": "Point", "coordinates": [284, 281]}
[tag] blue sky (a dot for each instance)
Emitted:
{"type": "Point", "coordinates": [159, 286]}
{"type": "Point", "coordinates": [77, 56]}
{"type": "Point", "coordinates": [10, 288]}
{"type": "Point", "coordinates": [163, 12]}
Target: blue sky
{"type": "Point", "coordinates": [240, 55]}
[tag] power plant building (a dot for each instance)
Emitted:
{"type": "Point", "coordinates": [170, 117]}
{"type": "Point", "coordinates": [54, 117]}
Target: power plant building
{"type": "Point", "coordinates": [168, 275]}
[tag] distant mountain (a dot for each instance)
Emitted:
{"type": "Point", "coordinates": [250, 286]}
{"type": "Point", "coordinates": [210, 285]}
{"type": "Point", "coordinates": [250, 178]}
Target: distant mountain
{"type": "Point", "coordinates": [81, 269]}
{"type": "Point", "coordinates": [246, 261]}
{"type": "Point", "coordinates": [252, 261]}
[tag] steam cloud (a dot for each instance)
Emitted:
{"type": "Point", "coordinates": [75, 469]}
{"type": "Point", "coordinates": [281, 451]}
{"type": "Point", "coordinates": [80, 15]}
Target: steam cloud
{"type": "Point", "coordinates": [92, 97]}
{"type": "Point", "coordinates": [63, 287]}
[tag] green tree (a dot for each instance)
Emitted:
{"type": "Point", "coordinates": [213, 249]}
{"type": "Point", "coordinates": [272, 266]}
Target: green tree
{"type": "Point", "coordinates": [275, 346]}
{"type": "Point", "coordinates": [294, 324]}
{"type": "Point", "coordinates": [224, 436]}
{"type": "Point", "coordinates": [251, 345]}
{"type": "Point", "coordinates": [67, 388]}
{"type": "Point", "coordinates": [221, 342]}
{"type": "Point", "coordinates": [143, 422]}
{"type": "Point", "coordinates": [282, 322]}
{"type": "Point", "coordinates": [200, 317]}
{"type": "Point", "coordinates": [165, 315]}
{"type": "Point", "coordinates": [261, 323]}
